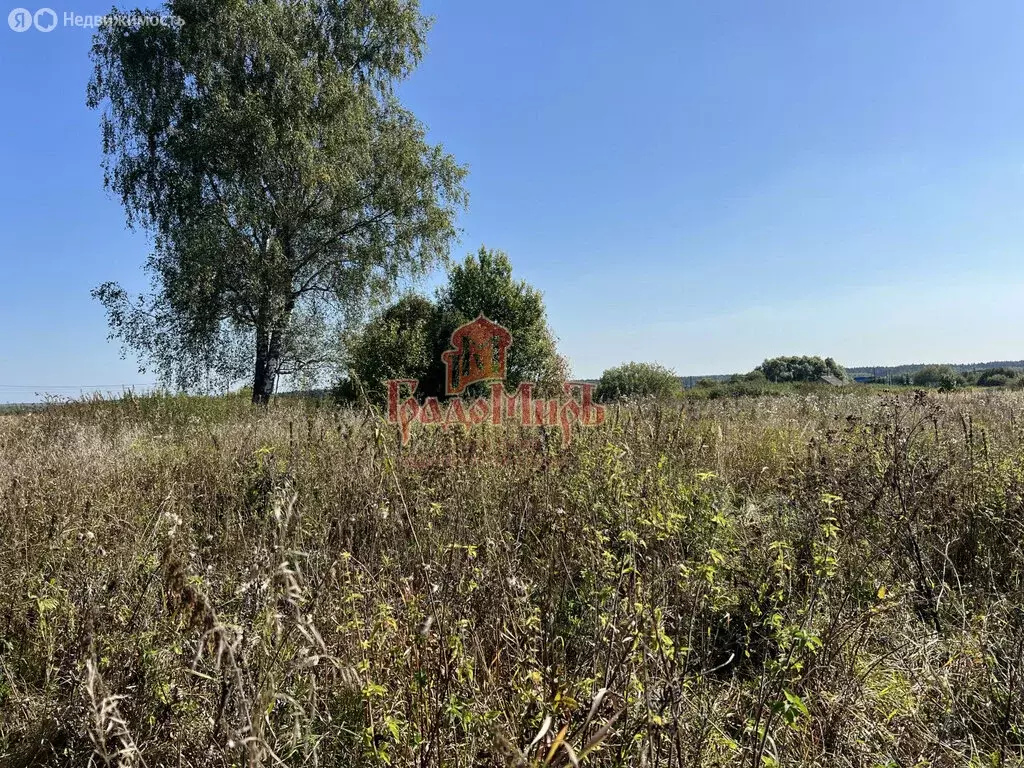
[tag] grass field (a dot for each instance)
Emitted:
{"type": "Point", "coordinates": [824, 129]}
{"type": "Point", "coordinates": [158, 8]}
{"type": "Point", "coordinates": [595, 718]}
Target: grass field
{"type": "Point", "coordinates": [822, 579]}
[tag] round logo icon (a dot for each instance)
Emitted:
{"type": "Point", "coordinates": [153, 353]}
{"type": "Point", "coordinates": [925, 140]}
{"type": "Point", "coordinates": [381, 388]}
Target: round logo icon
{"type": "Point", "coordinates": [20, 19]}
{"type": "Point", "coordinates": [45, 19]}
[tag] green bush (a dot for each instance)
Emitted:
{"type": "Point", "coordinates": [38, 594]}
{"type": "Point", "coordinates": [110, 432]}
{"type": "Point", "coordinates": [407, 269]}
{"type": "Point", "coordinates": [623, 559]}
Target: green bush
{"type": "Point", "coordinates": [407, 339]}
{"type": "Point", "coordinates": [786, 369]}
{"type": "Point", "coordinates": [995, 380]}
{"type": "Point", "coordinates": [638, 380]}
{"type": "Point", "coordinates": [396, 344]}
{"type": "Point", "coordinates": [997, 377]}
{"type": "Point", "coordinates": [942, 376]}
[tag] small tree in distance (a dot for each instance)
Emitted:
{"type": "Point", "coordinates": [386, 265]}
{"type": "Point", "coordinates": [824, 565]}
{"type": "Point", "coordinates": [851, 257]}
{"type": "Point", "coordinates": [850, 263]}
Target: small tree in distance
{"type": "Point", "coordinates": [942, 376]}
{"type": "Point", "coordinates": [637, 380]}
{"type": "Point", "coordinates": [997, 377]}
{"type": "Point", "coordinates": [398, 343]}
{"type": "Point", "coordinates": [406, 340]}
{"type": "Point", "coordinates": [483, 284]}
{"type": "Point", "coordinates": [803, 368]}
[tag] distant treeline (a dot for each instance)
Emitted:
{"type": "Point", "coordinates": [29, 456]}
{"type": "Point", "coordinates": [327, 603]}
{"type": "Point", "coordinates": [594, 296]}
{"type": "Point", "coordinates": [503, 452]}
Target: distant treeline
{"type": "Point", "coordinates": [899, 370]}
{"type": "Point", "coordinates": [7, 408]}
{"type": "Point", "coordinates": [880, 372]}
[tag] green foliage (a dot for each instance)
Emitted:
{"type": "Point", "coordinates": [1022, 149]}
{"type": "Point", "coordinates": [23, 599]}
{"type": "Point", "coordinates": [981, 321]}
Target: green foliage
{"type": "Point", "coordinates": [896, 374]}
{"type": "Point", "coordinates": [949, 377]}
{"type": "Point", "coordinates": [263, 146]}
{"type": "Point", "coordinates": [483, 284]}
{"type": "Point", "coordinates": [756, 376]}
{"type": "Point", "coordinates": [741, 385]}
{"type": "Point", "coordinates": [398, 343]}
{"type": "Point", "coordinates": [942, 376]}
{"type": "Point", "coordinates": [406, 341]}
{"type": "Point", "coordinates": [637, 380]}
{"type": "Point", "coordinates": [997, 377]}
{"type": "Point", "coordinates": [786, 369]}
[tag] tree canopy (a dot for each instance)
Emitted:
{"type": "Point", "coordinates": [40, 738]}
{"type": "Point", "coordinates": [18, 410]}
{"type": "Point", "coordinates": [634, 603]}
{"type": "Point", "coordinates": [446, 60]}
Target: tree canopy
{"type": "Point", "coordinates": [997, 377]}
{"type": "Point", "coordinates": [637, 380]}
{"type": "Point", "coordinates": [406, 340]}
{"type": "Point", "coordinates": [399, 342]}
{"type": "Point", "coordinates": [944, 377]}
{"type": "Point", "coordinates": [262, 145]}
{"type": "Point", "coordinates": [483, 284]}
{"type": "Point", "coordinates": [804, 368]}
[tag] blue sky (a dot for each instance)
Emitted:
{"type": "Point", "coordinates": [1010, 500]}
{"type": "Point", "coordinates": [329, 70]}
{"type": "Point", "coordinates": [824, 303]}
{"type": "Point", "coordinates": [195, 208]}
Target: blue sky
{"type": "Point", "coordinates": [701, 184]}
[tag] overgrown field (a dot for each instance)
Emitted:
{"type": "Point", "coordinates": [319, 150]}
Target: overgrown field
{"type": "Point", "coordinates": [827, 580]}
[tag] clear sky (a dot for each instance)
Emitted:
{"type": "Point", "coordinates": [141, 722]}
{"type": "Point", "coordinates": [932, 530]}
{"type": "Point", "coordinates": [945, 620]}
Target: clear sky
{"type": "Point", "coordinates": [704, 184]}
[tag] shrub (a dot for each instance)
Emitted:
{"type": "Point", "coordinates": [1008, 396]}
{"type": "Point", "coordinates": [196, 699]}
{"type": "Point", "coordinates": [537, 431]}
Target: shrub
{"type": "Point", "coordinates": [784, 369]}
{"type": "Point", "coordinates": [396, 344]}
{"type": "Point", "coordinates": [997, 377]}
{"type": "Point", "coordinates": [937, 376]}
{"type": "Point", "coordinates": [637, 380]}
{"type": "Point", "coordinates": [407, 339]}
{"type": "Point", "coordinates": [995, 380]}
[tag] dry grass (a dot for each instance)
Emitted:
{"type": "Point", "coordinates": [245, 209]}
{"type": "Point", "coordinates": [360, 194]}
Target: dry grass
{"type": "Point", "coordinates": [807, 580]}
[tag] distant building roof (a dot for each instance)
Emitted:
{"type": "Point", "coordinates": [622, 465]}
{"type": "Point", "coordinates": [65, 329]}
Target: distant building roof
{"type": "Point", "coordinates": [835, 382]}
